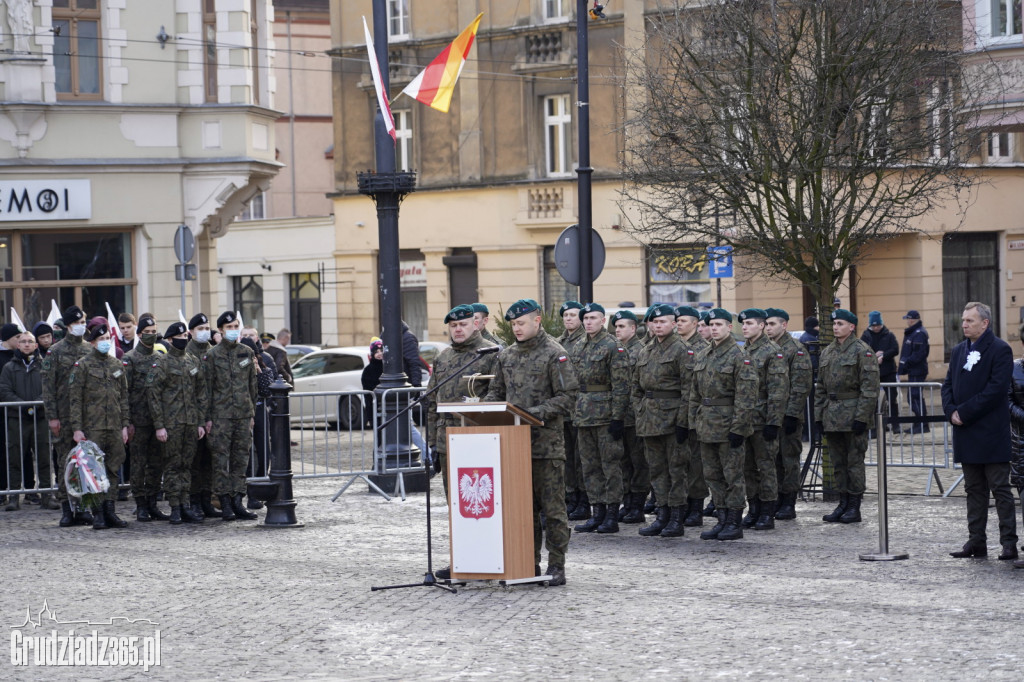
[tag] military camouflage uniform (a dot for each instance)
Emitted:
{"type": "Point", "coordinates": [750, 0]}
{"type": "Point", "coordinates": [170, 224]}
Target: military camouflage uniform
{"type": "Point", "coordinates": [636, 474]}
{"type": "Point", "coordinates": [146, 453]}
{"type": "Point", "coordinates": [449, 361]}
{"type": "Point", "coordinates": [660, 408]}
{"type": "Point", "coordinates": [232, 409]}
{"type": "Point", "coordinates": [537, 376]}
{"type": "Point", "coordinates": [847, 391]}
{"type": "Point", "coordinates": [491, 341]}
{"type": "Point", "coordinates": [772, 392]}
{"type": "Point", "coordinates": [201, 475]}
{"type": "Point", "coordinates": [574, 481]}
{"type": "Point", "coordinates": [56, 369]}
{"type": "Point", "coordinates": [697, 487]}
{"type": "Point", "coordinates": [790, 445]}
{"type": "Point", "coordinates": [723, 400]}
{"type": "Point", "coordinates": [177, 402]}
{"type": "Point", "coordinates": [98, 392]}
{"type": "Point", "coordinates": [602, 369]}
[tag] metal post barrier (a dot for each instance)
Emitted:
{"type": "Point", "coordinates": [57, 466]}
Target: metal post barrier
{"type": "Point", "coordinates": [280, 507]}
{"type": "Point", "coordinates": [883, 553]}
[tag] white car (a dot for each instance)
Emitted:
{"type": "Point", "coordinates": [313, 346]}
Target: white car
{"type": "Point", "coordinates": [331, 369]}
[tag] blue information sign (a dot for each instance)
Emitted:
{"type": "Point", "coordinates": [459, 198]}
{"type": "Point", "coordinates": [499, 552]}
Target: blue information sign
{"type": "Point", "coordinates": [719, 262]}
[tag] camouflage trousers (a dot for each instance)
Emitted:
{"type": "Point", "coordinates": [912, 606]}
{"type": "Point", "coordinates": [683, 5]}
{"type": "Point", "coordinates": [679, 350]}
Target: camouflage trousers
{"type": "Point", "coordinates": [723, 471]}
{"type": "Point", "coordinates": [146, 455]}
{"type": "Point", "coordinates": [179, 450]}
{"type": "Point", "coordinates": [791, 447]}
{"type": "Point", "coordinates": [669, 463]}
{"type": "Point", "coordinates": [230, 445]}
{"type": "Point", "coordinates": [112, 445]}
{"type": "Point", "coordinates": [846, 451]}
{"type": "Point", "coordinates": [636, 474]}
{"type": "Point", "coordinates": [759, 467]}
{"type": "Point", "coordinates": [573, 471]}
{"type": "Point", "coordinates": [698, 487]}
{"type": "Point", "coordinates": [601, 457]}
{"type": "Point", "coordinates": [202, 468]}
{"type": "Point", "coordinates": [549, 499]}
{"type": "Point", "coordinates": [28, 439]}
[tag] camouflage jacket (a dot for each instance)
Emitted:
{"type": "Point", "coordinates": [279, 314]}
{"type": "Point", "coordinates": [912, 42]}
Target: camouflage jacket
{"type": "Point", "coordinates": [232, 377]}
{"type": "Point", "coordinates": [723, 395]}
{"type": "Point", "coordinates": [447, 363]}
{"type": "Point", "coordinates": [491, 339]}
{"type": "Point", "coordinates": [632, 347]}
{"type": "Point", "coordinates": [537, 376]}
{"type": "Point", "coordinates": [98, 391]}
{"type": "Point", "coordinates": [137, 364]}
{"type": "Point", "coordinates": [801, 376]}
{"type": "Point", "coordinates": [56, 369]}
{"type": "Point", "coordinates": [177, 392]}
{"type": "Point", "coordinates": [657, 387]}
{"type": "Point", "coordinates": [694, 345]}
{"type": "Point", "coordinates": [772, 381]}
{"type": "Point", "coordinates": [602, 370]}
{"type": "Point", "coordinates": [847, 388]}
{"type": "Point", "coordinates": [568, 341]}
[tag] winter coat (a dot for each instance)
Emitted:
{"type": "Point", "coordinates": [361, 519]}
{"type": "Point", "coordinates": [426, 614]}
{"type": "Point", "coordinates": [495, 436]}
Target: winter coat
{"type": "Point", "coordinates": [411, 362]}
{"type": "Point", "coordinates": [979, 394]}
{"type": "Point", "coordinates": [885, 341]}
{"type": "Point", "coordinates": [914, 354]}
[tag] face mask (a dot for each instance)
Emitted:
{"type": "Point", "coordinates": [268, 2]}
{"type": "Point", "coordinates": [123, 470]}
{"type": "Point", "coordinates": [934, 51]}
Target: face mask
{"type": "Point", "coordinates": [102, 346]}
{"type": "Point", "coordinates": [77, 330]}
{"type": "Point", "coordinates": [232, 334]}
{"type": "Point", "coordinates": [203, 336]}
{"type": "Point", "coordinates": [180, 344]}
{"type": "Point", "coordinates": [148, 339]}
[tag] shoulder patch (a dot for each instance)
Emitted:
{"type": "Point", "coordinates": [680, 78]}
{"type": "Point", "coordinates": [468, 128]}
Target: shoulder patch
{"type": "Point", "coordinates": [689, 352]}
{"type": "Point", "coordinates": [779, 356]}
{"type": "Point", "coordinates": [869, 354]}
{"type": "Point", "coordinates": [799, 352]}
{"type": "Point", "coordinates": [746, 362]}
{"type": "Point", "coordinates": [76, 363]}
{"type": "Point", "coordinates": [562, 358]}
{"type": "Point", "coordinates": [154, 364]}
{"type": "Point", "coordinates": [124, 362]}
{"type": "Point", "coordinates": [621, 349]}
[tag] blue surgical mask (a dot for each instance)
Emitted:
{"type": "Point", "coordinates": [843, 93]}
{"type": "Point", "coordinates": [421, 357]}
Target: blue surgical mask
{"type": "Point", "coordinates": [77, 330]}
{"type": "Point", "coordinates": [232, 334]}
{"type": "Point", "coordinates": [103, 346]}
{"type": "Point", "coordinates": [203, 336]}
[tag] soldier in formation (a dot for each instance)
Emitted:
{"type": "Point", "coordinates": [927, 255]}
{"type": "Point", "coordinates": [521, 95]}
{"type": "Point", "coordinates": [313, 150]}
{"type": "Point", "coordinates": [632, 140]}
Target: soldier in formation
{"type": "Point", "coordinates": [145, 452]}
{"type": "Point", "coordinates": [636, 476]}
{"type": "Point", "coordinates": [576, 501]}
{"type": "Point", "coordinates": [481, 316]}
{"type": "Point", "coordinates": [201, 475]}
{"type": "Point", "coordinates": [687, 321]}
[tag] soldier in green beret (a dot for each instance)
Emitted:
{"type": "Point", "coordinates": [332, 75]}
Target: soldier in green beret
{"type": "Point", "coordinates": [577, 503]}
{"type": "Point", "coordinates": [481, 316]}
{"type": "Point", "coordinates": [636, 474]}
{"type": "Point", "coordinates": [845, 399]}
{"type": "Point", "coordinates": [687, 319]}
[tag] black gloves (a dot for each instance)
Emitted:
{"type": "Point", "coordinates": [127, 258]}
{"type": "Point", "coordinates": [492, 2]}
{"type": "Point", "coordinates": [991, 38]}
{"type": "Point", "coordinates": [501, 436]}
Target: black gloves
{"type": "Point", "coordinates": [859, 427]}
{"type": "Point", "coordinates": [735, 440]}
{"type": "Point", "coordinates": [616, 429]}
{"type": "Point", "coordinates": [790, 424]}
{"type": "Point", "coordinates": [682, 433]}
{"type": "Point", "coordinates": [819, 428]}
{"type": "Point", "coordinates": [770, 432]}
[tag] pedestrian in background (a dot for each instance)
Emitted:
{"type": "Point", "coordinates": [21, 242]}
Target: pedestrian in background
{"type": "Point", "coordinates": [1016, 401]}
{"type": "Point", "coordinates": [886, 348]}
{"type": "Point", "coordinates": [914, 363]}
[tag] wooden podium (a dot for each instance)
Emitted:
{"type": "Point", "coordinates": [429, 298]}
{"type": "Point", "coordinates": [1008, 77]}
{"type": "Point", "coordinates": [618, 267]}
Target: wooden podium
{"type": "Point", "coordinates": [490, 488]}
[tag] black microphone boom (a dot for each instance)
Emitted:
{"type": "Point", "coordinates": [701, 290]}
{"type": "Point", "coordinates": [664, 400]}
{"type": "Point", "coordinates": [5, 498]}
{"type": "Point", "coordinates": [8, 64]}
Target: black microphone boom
{"type": "Point", "coordinates": [487, 349]}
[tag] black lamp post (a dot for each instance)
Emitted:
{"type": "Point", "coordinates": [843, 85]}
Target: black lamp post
{"type": "Point", "coordinates": [584, 171]}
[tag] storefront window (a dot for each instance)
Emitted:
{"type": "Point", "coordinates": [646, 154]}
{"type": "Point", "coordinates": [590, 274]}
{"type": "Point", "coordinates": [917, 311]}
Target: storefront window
{"type": "Point", "coordinates": [678, 276]}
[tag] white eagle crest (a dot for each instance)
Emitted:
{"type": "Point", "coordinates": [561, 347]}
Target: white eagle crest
{"type": "Point", "coordinates": [476, 492]}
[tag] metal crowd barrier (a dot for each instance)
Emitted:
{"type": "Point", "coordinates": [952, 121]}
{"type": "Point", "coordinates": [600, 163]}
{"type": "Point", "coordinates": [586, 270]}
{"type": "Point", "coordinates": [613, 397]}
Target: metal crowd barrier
{"type": "Point", "coordinates": [916, 433]}
{"type": "Point", "coordinates": [26, 434]}
{"type": "Point", "coordinates": [399, 445]}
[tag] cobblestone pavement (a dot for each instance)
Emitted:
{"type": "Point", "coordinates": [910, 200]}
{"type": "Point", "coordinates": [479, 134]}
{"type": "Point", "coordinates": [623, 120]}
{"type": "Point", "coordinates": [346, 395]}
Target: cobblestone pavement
{"type": "Point", "coordinates": [235, 601]}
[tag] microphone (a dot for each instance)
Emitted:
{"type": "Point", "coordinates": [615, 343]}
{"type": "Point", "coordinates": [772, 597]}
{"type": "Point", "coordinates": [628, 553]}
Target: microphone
{"type": "Point", "coordinates": [487, 349]}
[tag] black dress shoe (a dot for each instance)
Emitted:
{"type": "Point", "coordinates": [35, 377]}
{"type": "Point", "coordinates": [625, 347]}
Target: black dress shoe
{"type": "Point", "coordinates": [968, 552]}
{"type": "Point", "coordinates": [1009, 552]}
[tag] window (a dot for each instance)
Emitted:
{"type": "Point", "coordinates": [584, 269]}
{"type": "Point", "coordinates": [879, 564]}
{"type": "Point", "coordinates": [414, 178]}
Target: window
{"type": "Point", "coordinates": [557, 119]}
{"type": "Point", "coordinates": [254, 50]}
{"type": "Point", "coordinates": [304, 300]}
{"type": "Point", "coordinates": [403, 139]}
{"type": "Point", "coordinates": [877, 137]}
{"type": "Point", "coordinates": [940, 120]}
{"type": "Point", "coordinates": [678, 276]}
{"type": "Point", "coordinates": [1000, 148]}
{"type": "Point", "coordinates": [248, 298]}
{"type": "Point", "coordinates": [555, 10]}
{"type": "Point", "coordinates": [398, 20]}
{"type": "Point", "coordinates": [556, 290]}
{"type": "Point", "coordinates": [256, 209]}
{"type": "Point", "coordinates": [1005, 18]}
{"type": "Point", "coordinates": [210, 49]}
{"type": "Point", "coordinates": [76, 48]}
{"type": "Point", "coordinates": [970, 272]}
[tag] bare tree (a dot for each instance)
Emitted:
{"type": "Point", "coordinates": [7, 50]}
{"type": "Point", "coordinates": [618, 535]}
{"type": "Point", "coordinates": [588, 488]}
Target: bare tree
{"type": "Point", "coordinates": [798, 131]}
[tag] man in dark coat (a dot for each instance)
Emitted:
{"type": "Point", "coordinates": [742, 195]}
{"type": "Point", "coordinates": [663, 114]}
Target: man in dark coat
{"type": "Point", "coordinates": [914, 363]}
{"type": "Point", "coordinates": [411, 362]}
{"type": "Point", "coordinates": [974, 401]}
{"type": "Point", "coordinates": [886, 348]}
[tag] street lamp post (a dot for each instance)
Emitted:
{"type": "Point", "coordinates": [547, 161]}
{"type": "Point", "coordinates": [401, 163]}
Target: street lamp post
{"type": "Point", "coordinates": [583, 170]}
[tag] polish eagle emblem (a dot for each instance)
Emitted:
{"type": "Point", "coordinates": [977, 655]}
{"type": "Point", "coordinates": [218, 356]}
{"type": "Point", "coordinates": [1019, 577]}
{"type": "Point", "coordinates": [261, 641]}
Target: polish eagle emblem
{"type": "Point", "coordinates": [476, 492]}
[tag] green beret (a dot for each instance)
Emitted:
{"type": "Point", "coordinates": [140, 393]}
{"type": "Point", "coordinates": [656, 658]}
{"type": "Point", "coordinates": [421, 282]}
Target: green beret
{"type": "Point", "coordinates": [480, 308]}
{"type": "Point", "coordinates": [521, 307]}
{"type": "Point", "coordinates": [777, 312]}
{"type": "Point", "coordinates": [844, 314]}
{"type": "Point", "coordinates": [568, 305]}
{"type": "Point", "coordinates": [659, 309]}
{"type": "Point", "coordinates": [624, 315]}
{"type": "Point", "coordinates": [459, 312]}
{"type": "Point", "coordinates": [687, 311]}
{"type": "Point", "coordinates": [752, 314]}
{"type": "Point", "coordinates": [719, 314]}
{"type": "Point", "coordinates": [592, 308]}
{"type": "Point", "coordinates": [704, 316]}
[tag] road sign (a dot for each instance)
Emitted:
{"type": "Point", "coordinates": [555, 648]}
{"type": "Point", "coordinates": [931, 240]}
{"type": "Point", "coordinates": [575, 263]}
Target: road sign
{"type": "Point", "coordinates": [567, 254]}
{"type": "Point", "coordinates": [183, 272]}
{"type": "Point", "coordinates": [719, 262]}
{"type": "Point", "coordinates": [184, 244]}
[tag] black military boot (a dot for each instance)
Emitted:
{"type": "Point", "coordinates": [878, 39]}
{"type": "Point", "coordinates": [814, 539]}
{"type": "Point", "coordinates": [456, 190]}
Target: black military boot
{"type": "Point", "coordinates": [110, 515]}
{"type": "Point", "coordinates": [852, 513]}
{"type": "Point", "coordinates": [67, 517]}
{"type": "Point", "coordinates": [675, 528]}
{"type": "Point", "coordinates": [99, 519]}
{"type": "Point", "coordinates": [611, 520]}
{"type": "Point", "coordinates": [196, 508]}
{"type": "Point", "coordinates": [154, 510]}
{"type": "Point", "coordinates": [13, 503]}
{"type": "Point", "coordinates": [142, 510]}
{"type": "Point", "coordinates": [207, 506]}
{"type": "Point", "coordinates": [582, 510]}
{"type": "Point", "coordinates": [787, 507]}
{"type": "Point", "coordinates": [733, 529]}
{"type": "Point", "coordinates": [712, 534]}
{"type": "Point", "coordinates": [189, 515]}
{"type": "Point", "coordinates": [650, 503]}
{"type": "Point", "coordinates": [227, 512]}
{"type": "Point", "coordinates": [844, 500]}
{"type": "Point", "coordinates": [239, 508]}
{"type": "Point", "coordinates": [83, 518]}
{"type": "Point", "coordinates": [596, 519]}
{"type": "Point", "coordinates": [627, 505]}
{"type": "Point", "coordinates": [766, 521]}
{"type": "Point", "coordinates": [635, 513]}
{"type": "Point", "coordinates": [175, 515]}
{"type": "Point", "coordinates": [659, 523]}
{"type": "Point", "coordinates": [570, 502]}
{"type": "Point", "coordinates": [252, 503]}
{"type": "Point", "coordinates": [694, 517]}
{"type": "Point", "coordinates": [753, 512]}
{"type": "Point", "coordinates": [710, 510]}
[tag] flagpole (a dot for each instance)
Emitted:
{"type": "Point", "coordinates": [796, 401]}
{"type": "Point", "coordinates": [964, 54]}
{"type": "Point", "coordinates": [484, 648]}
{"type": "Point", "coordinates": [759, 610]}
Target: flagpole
{"type": "Point", "coordinates": [583, 170]}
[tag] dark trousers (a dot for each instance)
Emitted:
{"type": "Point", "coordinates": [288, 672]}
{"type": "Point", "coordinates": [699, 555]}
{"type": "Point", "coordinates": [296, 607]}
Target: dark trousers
{"type": "Point", "coordinates": [917, 402]}
{"type": "Point", "coordinates": [892, 395]}
{"type": "Point", "coordinates": [260, 442]}
{"type": "Point", "coordinates": [979, 481]}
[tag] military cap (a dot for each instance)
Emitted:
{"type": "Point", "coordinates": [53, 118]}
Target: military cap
{"type": "Point", "coordinates": [267, 337]}
{"type": "Point", "coordinates": [9, 331]}
{"type": "Point", "coordinates": [41, 328]}
{"type": "Point", "coordinates": [568, 305]}
{"type": "Point", "coordinates": [719, 314]}
{"type": "Point", "coordinates": [175, 329]}
{"type": "Point", "coordinates": [658, 310]}
{"type": "Point", "coordinates": [624, 315]}
{"type": "Point", "coordinates": [198, 319]}
{"type": "Point", "coordinates": [704, 316]}
{"type": "Point", "coordinates": [460, 312]}
{"type": "Point", "coordinates": [226, 317]}
{"type": "Point", "coordinates": [844, 314]}
{"type": "Point", "coordinates": [145, 321]}
{"type": "Point", "coordinates": [752, 314]}
{"type": "Point", "coordinates": [96, 331]}
{"type": "Point", "coordinates": [777, 312]}
{"type": "Point", "coordinates": [480, 308]}
{"type": "Point", "coordinates": [592, 308]}
{"type": "Point", "coordinates": [526, 305]}
{"type": "Point", "coordinates": [72, 314]}
{"type": "Point", "coordinates": [687, 311]}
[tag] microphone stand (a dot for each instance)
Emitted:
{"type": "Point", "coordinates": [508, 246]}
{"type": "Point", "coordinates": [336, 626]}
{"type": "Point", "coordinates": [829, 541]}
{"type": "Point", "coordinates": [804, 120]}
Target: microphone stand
{"type": "Point", "coordinates": [428, 578]}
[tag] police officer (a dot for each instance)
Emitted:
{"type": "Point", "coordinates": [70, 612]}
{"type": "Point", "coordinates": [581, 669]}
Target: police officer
{"type": "Point", "coordinates": [56, 370]}
{"type": "Point", "coordinates": [535, 374]}
{"type": "Point", "coordinates": [761, 479]}
{"type": "Point", "coordinates": [481, 315]}
{"type": "Point", "coordinates": [687, 320]}
{"type": "Point", "coordinates": [232, 411]}
{"type": "Point", "coordinates": [801, 379]}
{"type": "Point", "coordinates": [576, 501]}
{"type": "Point", "coordinates": [145, 452]}
{"type": "Point", "coordinates": [201, 475]}
{"type": "Point", "coordinates": [98, 392]}
{"type": "Point", "coordinates": [723, 400]}
{"type": "Point", "coordinates": [602, 369]}
{"type": "Point", "coordinates": [661, 419]}
{"type": "Point", "coordinates": [844, 401]}
{"type": "Point", "coordinates": [636, 474]}
{"type": "Point", "coordinates": [178, 404]}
